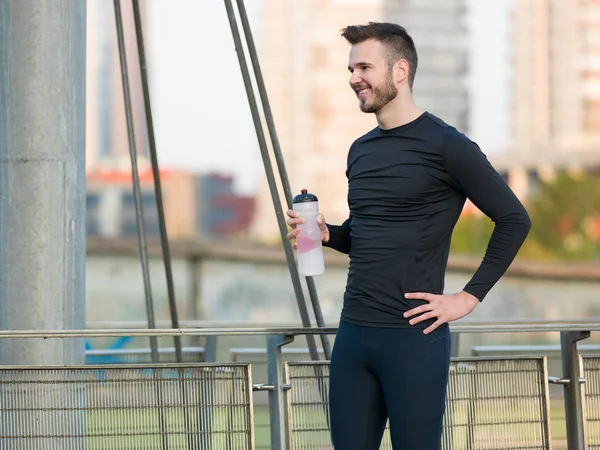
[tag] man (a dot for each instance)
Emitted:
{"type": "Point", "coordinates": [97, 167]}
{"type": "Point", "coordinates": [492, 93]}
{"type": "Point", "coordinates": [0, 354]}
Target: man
{"type": "Point", "coordinates": [408, 180]}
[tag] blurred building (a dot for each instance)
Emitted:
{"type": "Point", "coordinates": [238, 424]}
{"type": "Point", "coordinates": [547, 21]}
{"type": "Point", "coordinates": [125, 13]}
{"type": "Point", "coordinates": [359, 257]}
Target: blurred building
{"type": "Point", "coordinates": [440, 33]}
{"type": "Point", "coordinates": [557, 75]}
{"type": "Point", "coordinates": [221, 212]}
{"type": "Point", "coordinates": [194, 205]}
{"type": "Point", "coordinates": [106, 125]}
{"type": "Point", "coordinates": [304, 61]}
{"type": "Point", "coordinates": [556, 95]}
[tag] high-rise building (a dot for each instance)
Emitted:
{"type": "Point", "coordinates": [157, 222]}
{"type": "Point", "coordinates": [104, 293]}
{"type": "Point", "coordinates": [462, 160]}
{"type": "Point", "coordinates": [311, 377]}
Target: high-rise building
{"type": "Point", "coordinates": [555, 90]}
{"type": "Point", "coordinates": [304, 61]}
{"type": "Point", "coordinates": [556, 97]}
{"type": "Point", "coordinates": [439, 30]}
{"type": "Point", "coordinates": [106, 135]}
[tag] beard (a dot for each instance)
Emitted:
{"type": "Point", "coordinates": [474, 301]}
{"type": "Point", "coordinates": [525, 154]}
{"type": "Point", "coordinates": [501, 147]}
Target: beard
{"type": "Point", "coordinates": [380, 95]}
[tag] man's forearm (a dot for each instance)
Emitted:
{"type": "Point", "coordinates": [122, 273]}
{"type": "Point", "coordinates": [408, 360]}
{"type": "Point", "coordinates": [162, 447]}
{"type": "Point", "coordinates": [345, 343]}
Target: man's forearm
{"type": "Point", "coordinates": [339, 237]}
{"type": "Point", "coordinates": [506, 240]}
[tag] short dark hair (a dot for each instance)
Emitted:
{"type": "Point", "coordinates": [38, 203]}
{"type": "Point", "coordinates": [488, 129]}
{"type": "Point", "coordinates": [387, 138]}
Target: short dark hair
{"type": "Point", "coordinates": [395, 38]}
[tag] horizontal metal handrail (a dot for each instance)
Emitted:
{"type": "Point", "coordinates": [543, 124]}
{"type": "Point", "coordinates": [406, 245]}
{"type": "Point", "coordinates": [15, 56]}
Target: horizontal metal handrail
{"type": "Point", "coordinates": [475, 327]}
{"type": "Point", "coordinates": [140, 324]}
{"type": "Point", "coordinates": [562, 380]}
{"type": "Point", "coordinates": [139, 351]}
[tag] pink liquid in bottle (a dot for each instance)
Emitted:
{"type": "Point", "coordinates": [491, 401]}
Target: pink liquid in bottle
{"type": "Point", "coordinates": [305, 244]}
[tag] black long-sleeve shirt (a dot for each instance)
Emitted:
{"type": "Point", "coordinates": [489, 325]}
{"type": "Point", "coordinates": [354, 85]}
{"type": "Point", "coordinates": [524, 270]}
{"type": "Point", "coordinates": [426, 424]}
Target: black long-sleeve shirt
{"type": "Point", "coordinates": [406, 189]}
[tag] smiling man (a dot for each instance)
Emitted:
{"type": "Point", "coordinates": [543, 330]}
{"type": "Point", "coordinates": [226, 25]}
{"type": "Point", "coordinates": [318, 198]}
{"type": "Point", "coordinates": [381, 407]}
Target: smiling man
{"type": "Point", "coordinates": [408, 180]}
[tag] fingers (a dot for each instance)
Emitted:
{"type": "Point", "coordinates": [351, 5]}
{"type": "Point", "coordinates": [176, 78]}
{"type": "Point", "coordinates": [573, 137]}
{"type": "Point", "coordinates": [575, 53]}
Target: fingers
{"type": "Point", "coordinates": [294, 219]}
{"type": "Point", "coordinates": [321, 222]}
{"type": "Point", "coordinates": [434, 309]}
{"type": "Point", "coordinates": [293, 234]}
{"type": "Point", "coordinates": [422, 317]}
{"type": "Point", "coordinates": [434, 325]}
{"type": "Point", "coordinates": [421, 296]}
{"type": "Point", "coordinates": [417, 310]}
{"type": "Point", "coordinates": [323, 227]}
{"type": "Point", "coordinates": [428, 311]}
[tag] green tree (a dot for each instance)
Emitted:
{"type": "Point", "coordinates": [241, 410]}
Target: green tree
{"type": "Point", "coordinates": [563, 212]}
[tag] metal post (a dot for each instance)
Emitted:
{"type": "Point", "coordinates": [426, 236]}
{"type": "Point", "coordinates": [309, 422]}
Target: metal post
{"type": "Point", "coordinates": [210, 349]}
{"type": "Point", "coordinates": [195, 307]}
{"type": "Point", "coordinates": [139, 211]}
{"type": "Point", "coordinates": [572, 389]}
{"type": "Point", "coordinates": [156, 174]}
{"type": "Point", "coordinates": [42, 177]}
{"type": "Point", "coordinates": [473, 404]}
{"type": "Point", "coordinates": [310, 282]}
{"type": "Point", "coordinates": [454, 344]}
{"type": "Point", "coordinates": [289, 253]}
{"type": "Point", "coordinates": [279, 429]}
{"type": "Point", "coordinates": [42, 206]}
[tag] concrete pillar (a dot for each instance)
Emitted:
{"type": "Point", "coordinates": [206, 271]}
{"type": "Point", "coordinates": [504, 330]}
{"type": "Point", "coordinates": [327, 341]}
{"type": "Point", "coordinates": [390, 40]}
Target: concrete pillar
{"type": "Point", "coordinates": [42, 177]}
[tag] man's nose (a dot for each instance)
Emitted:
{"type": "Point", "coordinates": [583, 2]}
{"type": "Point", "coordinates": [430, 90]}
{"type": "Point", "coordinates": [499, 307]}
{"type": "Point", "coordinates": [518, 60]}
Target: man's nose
{"type": "Point", "coordinates": [355, 79]}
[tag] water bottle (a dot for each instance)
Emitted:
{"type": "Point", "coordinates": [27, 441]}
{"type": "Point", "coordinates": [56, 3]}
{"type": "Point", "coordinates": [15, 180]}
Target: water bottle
{"type": "Point", "coordinates": [310, 247]}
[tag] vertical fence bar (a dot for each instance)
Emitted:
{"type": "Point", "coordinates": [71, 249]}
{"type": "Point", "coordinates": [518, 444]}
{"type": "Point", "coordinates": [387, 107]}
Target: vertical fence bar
{"type": "Point", "coordinates": [139, 211]}
{"type": "Point", "coordinates": [310, 282]}
{"type": "Point", "coordinates": [547, 419]}
{"type": "Point", "coordinates": [279, 424]}
{"type": "Point", "coordinates": [289, 253]}
{"type": "Point", "coordinates": [161, 214]}
{"type": "Point", "coordinates": [250, 418]}
{"type": "Point", "coordinates": [155, 171]}
{"type": "Point", "coordinates": [572, 389]}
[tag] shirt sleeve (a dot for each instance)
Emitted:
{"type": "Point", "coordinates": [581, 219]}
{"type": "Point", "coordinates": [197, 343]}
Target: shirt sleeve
{"type": "Point", "coordinates": [339, 236]}
{"type": "Point", "coordinates": [472, 174]}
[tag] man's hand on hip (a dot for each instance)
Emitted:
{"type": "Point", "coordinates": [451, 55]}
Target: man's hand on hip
{"type": "Point", "coordinates": [445, 308]}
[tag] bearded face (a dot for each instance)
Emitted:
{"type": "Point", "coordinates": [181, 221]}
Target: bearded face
{"type": "Point", "coordinates": [372, 76]}
{"type": "Point", "coordinates": [373, 97]}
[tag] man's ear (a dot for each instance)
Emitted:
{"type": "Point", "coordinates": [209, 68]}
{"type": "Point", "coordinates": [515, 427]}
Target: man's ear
{"type": "Point", "coordinates": [401, 71]}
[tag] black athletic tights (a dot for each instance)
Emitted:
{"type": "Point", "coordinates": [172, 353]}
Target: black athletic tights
{"type": "Point", "coordinates": [378, 373]}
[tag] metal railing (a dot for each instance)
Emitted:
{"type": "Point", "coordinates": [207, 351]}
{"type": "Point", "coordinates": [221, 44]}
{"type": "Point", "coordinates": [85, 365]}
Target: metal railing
{"type": "Point", "coordinates": [512, 390]}
{"type": "Point", "coordinates": [591, 371]}
{"type": "Point", "coordinates": [491, 404]}
{"type": "Point", "coordinates": [141, 355]}
{"type": "Point", "coordinates": [126, 407]}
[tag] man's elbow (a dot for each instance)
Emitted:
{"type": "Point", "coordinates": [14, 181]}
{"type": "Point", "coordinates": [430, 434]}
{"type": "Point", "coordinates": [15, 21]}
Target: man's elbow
{"type": "Point", "coordinates": [517, 223]}
{"type": "Point", "coordinates": [524, 222]}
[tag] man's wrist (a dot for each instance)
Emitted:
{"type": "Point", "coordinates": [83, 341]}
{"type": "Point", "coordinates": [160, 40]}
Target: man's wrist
{"type": "Point", "coordinates": [470, 298]}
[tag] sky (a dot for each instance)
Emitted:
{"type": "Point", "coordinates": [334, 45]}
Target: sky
{"type": "Point", "coordinates": [488, 23]}
{"type": "Point", "coordinates": [203, 122]}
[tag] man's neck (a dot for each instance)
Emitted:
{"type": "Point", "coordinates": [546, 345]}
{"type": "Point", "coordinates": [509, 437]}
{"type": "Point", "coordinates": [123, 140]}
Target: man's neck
{"type": "Point", "coordinates": [398, 112]}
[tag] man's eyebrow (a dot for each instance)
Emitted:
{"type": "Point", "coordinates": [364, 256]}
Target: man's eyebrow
{"type": "Point", "coordinates": [360, 64]}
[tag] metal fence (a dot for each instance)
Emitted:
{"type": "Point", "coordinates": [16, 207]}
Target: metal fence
{"type": "Point", "coordinates": [257, 358]}
{"type": "Point", "coordinates": [126, 407]}
{"type": "Point", "coordinates": [591, 370]}
{"type": "Point", "coordinates": [500, 403]}
{"type": "Point", "coordinates": [492, 404]}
